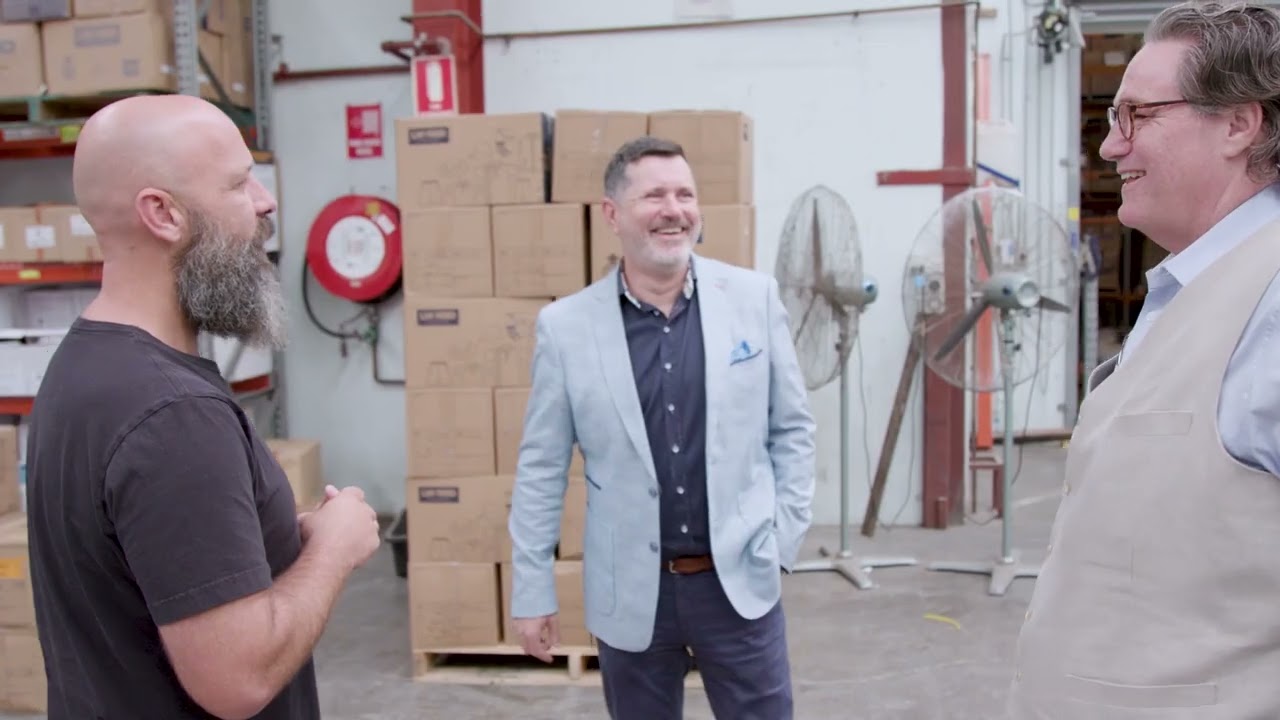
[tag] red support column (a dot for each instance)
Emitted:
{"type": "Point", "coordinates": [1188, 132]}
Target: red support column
{"type": "Point", "coordinates": [943, 471]}
{"type": "Point", "coordinates": [467, 44]}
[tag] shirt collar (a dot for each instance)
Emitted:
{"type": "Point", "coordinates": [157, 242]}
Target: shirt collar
{"type": "Point", "coordinates": [690, 280]}
{"type": "Point", "coordinates": [1223, 237]}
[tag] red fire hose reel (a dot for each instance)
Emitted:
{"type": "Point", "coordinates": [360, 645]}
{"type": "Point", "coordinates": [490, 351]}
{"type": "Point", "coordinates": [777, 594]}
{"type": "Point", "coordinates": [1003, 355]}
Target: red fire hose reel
{"type": "Point", "coordinates": [354, 250]}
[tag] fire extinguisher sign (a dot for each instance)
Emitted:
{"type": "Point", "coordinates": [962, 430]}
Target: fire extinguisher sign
{"type": "Point", "coordinates": [435, 85]}
{"type": "Point", "coordinates": [364, 131]}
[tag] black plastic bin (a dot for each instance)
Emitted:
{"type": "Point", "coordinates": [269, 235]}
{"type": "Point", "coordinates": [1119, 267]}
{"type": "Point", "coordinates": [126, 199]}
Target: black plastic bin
{"type": "Point", "coordinates": [397, 536]}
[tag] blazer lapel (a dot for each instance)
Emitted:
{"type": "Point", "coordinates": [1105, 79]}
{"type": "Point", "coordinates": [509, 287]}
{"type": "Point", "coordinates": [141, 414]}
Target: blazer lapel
{"type": "Point", "coordinates": [611, 343]}
{"type": "Point", "coordinates": [717, 343]}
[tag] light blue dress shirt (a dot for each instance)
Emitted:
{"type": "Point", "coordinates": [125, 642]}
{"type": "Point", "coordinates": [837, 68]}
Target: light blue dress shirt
{"type": "Point", "coordinates": [1249, 409]}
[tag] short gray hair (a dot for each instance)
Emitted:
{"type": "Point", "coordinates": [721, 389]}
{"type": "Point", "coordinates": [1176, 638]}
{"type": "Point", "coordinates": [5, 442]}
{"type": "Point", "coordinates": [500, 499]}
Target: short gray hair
{"type": "Point", "coordinates": [615, 173]}
{"type": "Point", "coordinates": [1234, 59]}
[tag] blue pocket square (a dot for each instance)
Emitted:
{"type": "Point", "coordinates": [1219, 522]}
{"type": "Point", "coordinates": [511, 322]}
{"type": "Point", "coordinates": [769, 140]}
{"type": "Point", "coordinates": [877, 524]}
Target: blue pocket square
{"type": "Point", "coordinates": [742, 352]}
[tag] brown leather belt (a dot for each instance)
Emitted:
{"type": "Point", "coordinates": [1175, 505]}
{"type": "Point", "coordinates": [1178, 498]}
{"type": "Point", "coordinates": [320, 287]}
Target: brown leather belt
{"type": "Point", "coordinates": [690, 565]}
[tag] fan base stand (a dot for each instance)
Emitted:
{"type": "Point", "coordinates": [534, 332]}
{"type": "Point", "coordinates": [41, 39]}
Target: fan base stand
{"type": "Point", "coordinates": [1003, 571]}
{"type": "Point", "coordinates": [854, 569]}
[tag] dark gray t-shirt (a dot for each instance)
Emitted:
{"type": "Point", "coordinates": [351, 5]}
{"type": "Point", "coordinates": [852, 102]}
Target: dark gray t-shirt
{"type": "Point", "coordinates": [150, 499]}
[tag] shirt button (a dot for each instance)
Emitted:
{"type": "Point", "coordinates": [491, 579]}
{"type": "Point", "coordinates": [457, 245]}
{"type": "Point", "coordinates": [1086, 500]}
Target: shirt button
{"type": "Point", "coordinates": [666, 366]}
{"type": "Point", "coordinates": [679, 491]}
{"type": "Point", "coordinates": [653, 492]}
{"type": "Point", "coordinates": [653, 547]}
{"type": "Point", "coordinates": [666, 329]}
{"type": "Point", "coordinates": [675, 448]}
{"type": "Point", "coordinates": [684, 529]}
{"type": "Point", "coordinates": [671, 408]}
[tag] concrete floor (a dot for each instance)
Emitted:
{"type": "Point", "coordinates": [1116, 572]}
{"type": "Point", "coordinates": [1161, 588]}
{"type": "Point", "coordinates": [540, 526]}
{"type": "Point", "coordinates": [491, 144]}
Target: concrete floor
{"type": "Point", "coordinates": [920, 646]}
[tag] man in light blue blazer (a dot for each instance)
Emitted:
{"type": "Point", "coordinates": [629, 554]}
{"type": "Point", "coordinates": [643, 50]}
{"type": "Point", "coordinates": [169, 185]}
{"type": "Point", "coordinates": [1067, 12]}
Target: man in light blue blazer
{"type": "Point", "coordinates": [677, 378]}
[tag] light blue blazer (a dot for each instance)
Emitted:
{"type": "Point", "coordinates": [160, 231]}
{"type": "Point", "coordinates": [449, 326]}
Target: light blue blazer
{"type": "Point", "coordinates": [760, 454]}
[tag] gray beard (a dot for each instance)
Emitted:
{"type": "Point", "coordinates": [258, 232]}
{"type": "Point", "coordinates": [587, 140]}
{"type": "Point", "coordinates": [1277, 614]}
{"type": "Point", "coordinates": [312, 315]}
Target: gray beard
{"type": "Point", "coordinates": [228, 287]}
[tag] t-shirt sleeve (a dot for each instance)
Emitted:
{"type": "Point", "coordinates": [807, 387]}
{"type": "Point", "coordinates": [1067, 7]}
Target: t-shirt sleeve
{"type": "Point", "coordinates": [179, 493]}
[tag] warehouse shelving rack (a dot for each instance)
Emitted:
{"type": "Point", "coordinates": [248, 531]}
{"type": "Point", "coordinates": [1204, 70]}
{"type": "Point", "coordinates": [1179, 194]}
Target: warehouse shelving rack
{"type": "Point", "coordinates": [43, 135]}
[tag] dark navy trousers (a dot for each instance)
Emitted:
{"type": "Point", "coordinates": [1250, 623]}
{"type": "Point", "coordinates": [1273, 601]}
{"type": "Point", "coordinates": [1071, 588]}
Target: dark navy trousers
{"type": "Point", "coordinates": [743, 663]}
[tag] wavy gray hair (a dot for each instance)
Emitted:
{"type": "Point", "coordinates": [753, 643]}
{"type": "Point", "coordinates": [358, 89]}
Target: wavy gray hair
{"type": "Point", "coordinates": [1234, 59]}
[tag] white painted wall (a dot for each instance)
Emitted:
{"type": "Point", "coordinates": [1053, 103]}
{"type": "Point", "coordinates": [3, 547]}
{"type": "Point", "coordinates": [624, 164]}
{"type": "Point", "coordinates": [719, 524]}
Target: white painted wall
{"type": "Point", "coordinates": [328, 397]}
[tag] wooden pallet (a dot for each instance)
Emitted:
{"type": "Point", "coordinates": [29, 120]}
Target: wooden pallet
{"type": "Point", "coordinates": [509, 665]}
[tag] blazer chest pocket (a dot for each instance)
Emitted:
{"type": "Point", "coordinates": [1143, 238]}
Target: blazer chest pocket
{"type": "Point", "coordinates": [1156, 423]}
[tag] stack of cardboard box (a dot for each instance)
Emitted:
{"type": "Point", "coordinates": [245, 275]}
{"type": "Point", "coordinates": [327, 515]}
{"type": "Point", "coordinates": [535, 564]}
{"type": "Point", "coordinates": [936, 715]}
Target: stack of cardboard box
{"type": "Point", "coordinates": [501, 216]}
{"type": "Point", "coordinates": [22, 677]}
{"type": "Point", "coordinates": [101, 46]}
{"type": "Point", "coordinates": [483, 252]}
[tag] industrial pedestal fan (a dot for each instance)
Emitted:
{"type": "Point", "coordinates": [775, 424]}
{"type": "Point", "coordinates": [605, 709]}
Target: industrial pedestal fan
{"type": "Point", "coordinates": [819, 273]}
{"type": "Point", "coordinates": [1000, 325]}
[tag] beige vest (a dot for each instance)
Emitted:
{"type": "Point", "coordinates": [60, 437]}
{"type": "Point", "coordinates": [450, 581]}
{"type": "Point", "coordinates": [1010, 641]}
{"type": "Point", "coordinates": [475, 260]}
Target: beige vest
{"type": "Point", "coordinates": [1160, 592]}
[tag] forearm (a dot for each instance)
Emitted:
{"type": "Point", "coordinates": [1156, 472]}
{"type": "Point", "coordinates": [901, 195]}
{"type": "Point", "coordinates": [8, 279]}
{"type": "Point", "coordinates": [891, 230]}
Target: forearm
{"type": "Point", "coordinates": [299, 605]}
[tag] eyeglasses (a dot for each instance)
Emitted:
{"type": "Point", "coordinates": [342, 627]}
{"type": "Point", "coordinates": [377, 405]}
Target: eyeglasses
{"type": "Point", "coordinates": [1122, 114]}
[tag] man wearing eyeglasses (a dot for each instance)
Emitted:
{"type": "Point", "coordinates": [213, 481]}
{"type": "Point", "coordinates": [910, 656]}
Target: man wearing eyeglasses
{"type": "Point", "coordinates": [1158, 596]}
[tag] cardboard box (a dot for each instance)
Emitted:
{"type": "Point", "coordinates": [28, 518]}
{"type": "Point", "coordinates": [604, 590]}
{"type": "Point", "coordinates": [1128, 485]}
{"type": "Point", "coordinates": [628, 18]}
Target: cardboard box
{"type": "Point", "coordinates": [604, 248]}
{"type": "Point", "coordinates": [585, 141]}
{"type": "Point", "coordinates": [449, 432]}
{"type": "Point", "coordinates": [33, 10]}
{"type": "Point", "coordinates": [96, 55]}
{"type": "Point", "coordinates": [74, 238]}
{"type": "Point", "coordinates": [448, 252]}
{"type": "Point", "coordinates": [23, 685]}
{"type": "Point", "coordinates": [468, 342]}
{"type": "Point", "coordinates": [85, 56]}
{"type": "Point", "coordinates": [471, 160]}
{"type": "Point", "coordinates": [539, 251]}
{"type": "Point", "coordinates": [21, 62]}
{"type": "Point", "coordinates": [237, 47]}
{"type": "Point", "coordinates": [719, 147]}
{"type": "Point", "coordinates": [24, 239]}
{"type": "Point", "coordinates": [107, 8]}
{"type": "Point", "coordinates": [454, 605]}
{"type": "Point", "coordinates": [729, 234]}
{"type": "Point", "coordinates": [17, 607]}
{"type": "Point", "coordinates": [572, 612]}
{"type": "Point", "coordinates": [302, 464]}
{"type": "Point", "coordinates": [10, 497]}
{"type": "Point", "coordinates": [462, 519]}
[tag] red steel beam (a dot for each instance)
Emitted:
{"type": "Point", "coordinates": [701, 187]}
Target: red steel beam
{"type": "Point", "coordinates": [467, 44]}
{"type": "Point", "coordinates": [946, 176]}
{"type": "Point", "coordinates": [943, 471]}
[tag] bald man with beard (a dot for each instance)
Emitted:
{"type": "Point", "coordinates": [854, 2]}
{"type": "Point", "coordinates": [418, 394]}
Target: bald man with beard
{"type": "Point", "coordinates": [172, 575]}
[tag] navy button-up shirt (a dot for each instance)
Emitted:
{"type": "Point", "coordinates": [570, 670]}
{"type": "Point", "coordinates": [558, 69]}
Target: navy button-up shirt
{"type": "Point", "coordinates": [667, 359]}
